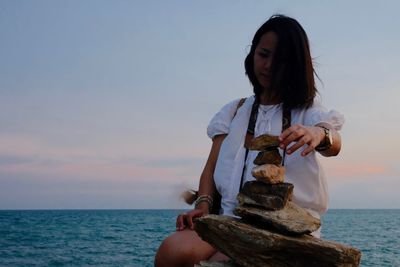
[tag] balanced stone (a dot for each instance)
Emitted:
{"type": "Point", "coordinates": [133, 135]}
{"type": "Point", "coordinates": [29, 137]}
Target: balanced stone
{"type": "Point", "coordinates": [263, 142]}
{"type": "Point", "coordinates": [269, 173]}
{"type": "Point", "coordinates": [270, 202]}
{"type": "Point", "coordinates": [270, 156]}
{"type": "Point", "coordinates": [248, 246]}
{"type": "Point", "coordinates": [267, 196]}
{"type": "Point", "coordinates": [291, 220]}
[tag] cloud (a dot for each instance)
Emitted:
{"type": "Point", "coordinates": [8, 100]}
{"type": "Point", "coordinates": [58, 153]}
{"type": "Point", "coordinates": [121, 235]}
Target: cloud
{"type": "Point", "coordinates": [16, 160]}
{"type": "Point", "coordinates": [19, 145]}
{"type": "Point", "coordinates": [357, 166]}
{"type": "Point", "coordinates": [27, 146]}
{"type": "Point", "coordinates": [89, 171]}
{"type": "Point", "coordinates": [366, 193]}
{"type": "Point", "coordinates": [354, 170]}
{"type": "Point", "coordinates": [42, 182]}
{"type": "Point", "coordinates": [174, 162]}
{"type": "Point", "coordinates": [35, 174]}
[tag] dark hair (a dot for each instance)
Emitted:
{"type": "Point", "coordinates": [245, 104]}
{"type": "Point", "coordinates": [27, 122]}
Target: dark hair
{"type": "Point", "coordinates": [292, 71]}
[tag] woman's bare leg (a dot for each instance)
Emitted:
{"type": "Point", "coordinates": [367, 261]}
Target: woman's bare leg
{"type": "Point", "coordinates": [181, 249]}
{"type": "Point", "coordinates": [218, 256]}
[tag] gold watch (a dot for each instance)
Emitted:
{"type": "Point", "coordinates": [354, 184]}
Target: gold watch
{"type": "Point", "coordinates": [328, 140]}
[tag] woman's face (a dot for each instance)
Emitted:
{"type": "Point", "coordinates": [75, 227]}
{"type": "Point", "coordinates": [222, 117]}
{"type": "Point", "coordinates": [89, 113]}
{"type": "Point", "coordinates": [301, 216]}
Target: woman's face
{"type": "Point", "coordinates": [263, 56]}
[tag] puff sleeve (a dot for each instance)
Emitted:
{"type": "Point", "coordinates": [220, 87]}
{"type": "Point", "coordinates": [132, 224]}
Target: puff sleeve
{"type": "Point", "coordinates": [318, 113]}
{"type": "Point", "coordinates": [221, 121]}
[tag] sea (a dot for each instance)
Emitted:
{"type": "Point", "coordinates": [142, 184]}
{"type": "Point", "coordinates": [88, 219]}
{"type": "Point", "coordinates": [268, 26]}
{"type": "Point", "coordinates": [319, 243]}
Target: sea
{"type": "Point", "coordinates": [131, 237]}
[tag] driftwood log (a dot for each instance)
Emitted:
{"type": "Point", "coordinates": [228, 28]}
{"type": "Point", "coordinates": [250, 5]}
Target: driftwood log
{"type": "Point", "coordinates": [249, 246]}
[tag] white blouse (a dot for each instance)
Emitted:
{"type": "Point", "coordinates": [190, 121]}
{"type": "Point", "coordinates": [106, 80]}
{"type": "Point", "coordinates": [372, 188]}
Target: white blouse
{"type": "Point", "coordinates": [305, 173]}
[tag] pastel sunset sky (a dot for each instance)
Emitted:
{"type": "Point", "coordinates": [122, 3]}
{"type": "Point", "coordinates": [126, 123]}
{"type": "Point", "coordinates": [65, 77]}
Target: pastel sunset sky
{"type": "Point", "coordinates": [105, 104]}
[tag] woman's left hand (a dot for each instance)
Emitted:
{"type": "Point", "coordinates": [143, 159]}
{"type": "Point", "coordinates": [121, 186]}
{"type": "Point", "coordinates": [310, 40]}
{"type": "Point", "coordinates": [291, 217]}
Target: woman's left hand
{"type": "Point", "coordinates": [186, 219]}
{"type": "Point", "coordinates": [301, 135]}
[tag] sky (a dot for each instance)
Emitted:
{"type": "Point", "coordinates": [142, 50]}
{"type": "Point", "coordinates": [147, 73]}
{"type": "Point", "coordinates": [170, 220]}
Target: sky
{"type": "Point", "coordinates": [105, 104]}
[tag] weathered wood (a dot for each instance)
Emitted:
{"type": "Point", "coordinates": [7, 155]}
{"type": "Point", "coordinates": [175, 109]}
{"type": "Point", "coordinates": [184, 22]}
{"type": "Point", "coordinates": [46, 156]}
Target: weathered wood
{"type": "Point", "coordinates": [270, 156]}
{"type": "Point", "coordinates": [291, 220]}
{"type": "Point", "coordinates": [269, 173]}
{"type": "Point", "coordinates": [249, 246]}
{"type": "Point", "coordinates": [263, 142]}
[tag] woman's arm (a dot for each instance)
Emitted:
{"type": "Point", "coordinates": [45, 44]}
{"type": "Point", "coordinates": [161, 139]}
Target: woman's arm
{"type": "Point", "coordinates": [206, 184]}
{"type": "Point", "coordinates": [206, 187]}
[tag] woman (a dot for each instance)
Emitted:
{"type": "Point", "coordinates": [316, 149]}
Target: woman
{"type": "Point", "coordinates": [279, 66]}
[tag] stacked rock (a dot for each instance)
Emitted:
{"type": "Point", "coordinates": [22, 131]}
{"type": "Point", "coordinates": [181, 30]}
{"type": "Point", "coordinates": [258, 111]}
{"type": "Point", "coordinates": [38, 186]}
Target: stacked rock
{"type": "Point", "coordinates": [268, 161]}
{"type": "Point", "coordinates": [267, 201]}
{"type": "Point", "coordinates": [272, 231]}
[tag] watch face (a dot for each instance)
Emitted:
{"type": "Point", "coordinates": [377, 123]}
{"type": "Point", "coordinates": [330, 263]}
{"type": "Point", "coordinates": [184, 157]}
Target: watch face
{"type": "Point", "coordinates": [330, 137]}
{"type": "Point", "coordinates": [327, 142]}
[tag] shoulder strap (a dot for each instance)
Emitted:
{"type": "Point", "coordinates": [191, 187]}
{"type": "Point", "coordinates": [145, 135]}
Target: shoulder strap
{"type": "Point", "coordinates": [241, 101]}
{"type": "Point", "coordinates": [286, 120]}
{"type": "Point", "coordinates": [249, 135]}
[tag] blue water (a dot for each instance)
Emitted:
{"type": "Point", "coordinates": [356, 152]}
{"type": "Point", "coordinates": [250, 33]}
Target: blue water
{"type": "Point", "coordinates": [131, 237]}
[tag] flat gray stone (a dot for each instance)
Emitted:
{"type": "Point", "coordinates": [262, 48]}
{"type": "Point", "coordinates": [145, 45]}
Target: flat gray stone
{"type": "Point", "coordinates": [268, 202]}
{"type": "Point", "coordinates": [269, 196]}
{"type": "Point", "coordinates": [270, 156]}
{"type": "Point", "coordinates": [291, 220]}
{"type": "Point", "coordinates": [269, 173]}
{"type": "Point", "coordinates": [263, 142]}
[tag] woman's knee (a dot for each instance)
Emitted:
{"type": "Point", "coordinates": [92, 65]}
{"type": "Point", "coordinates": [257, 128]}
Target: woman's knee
{"type": "Point", "coordinates": [182, 249]}
{"type": "Point", "coordinates": [166, 254]}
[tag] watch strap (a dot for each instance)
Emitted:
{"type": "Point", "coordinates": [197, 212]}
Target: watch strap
{"type": "Point", "coordinates": [326, 143]}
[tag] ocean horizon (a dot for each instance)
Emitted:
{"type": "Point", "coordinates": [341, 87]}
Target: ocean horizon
{"type": "Point", "coordinates": [130, 237]}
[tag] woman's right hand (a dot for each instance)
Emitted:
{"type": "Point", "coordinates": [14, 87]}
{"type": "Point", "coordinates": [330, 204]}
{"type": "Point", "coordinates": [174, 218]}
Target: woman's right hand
{"type": "Point", "coordinates": [186, 219]}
